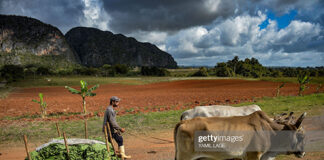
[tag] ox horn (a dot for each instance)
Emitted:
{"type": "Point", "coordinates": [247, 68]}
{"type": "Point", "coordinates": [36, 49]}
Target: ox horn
{"type": "Point", "coordinates": [290, 117]}
{"type": "Point", "coordinates": [300, 120]}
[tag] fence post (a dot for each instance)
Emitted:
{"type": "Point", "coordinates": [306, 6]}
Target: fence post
{"type": "Point", "coordinates": [111, 140]}
{"type": "Point", "coordinates": [26, 147]}
{"type": "Point", "coordinates": [107, 143]}
{"type": "Point", "coordinates": [66, 145]}
{"type": "Point", "coordinates": [86, 128]}
{"type": "Point", "coordinates": [58, 130]}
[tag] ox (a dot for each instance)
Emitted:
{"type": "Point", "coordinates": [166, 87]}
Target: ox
{"type": "Point", "coordinates": [218, 111]}
{"type": "Point", "coordinates": [255, 123]}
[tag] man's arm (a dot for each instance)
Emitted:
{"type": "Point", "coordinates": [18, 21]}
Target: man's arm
{"type": "Point", "coordinates": [112, 120]}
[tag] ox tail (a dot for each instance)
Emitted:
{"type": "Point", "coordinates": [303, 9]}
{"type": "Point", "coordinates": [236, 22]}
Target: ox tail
{"type": "Point", "coordinates": [175, 137]}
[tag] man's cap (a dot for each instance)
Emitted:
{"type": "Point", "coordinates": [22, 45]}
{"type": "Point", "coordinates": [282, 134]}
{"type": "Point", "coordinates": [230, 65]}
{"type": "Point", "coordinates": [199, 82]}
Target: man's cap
{"type": "Point", "coordinates": [114, 98]}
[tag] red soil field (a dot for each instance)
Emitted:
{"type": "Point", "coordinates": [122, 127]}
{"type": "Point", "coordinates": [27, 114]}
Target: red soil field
{"type": "Point", "coordinates": [145, 98]}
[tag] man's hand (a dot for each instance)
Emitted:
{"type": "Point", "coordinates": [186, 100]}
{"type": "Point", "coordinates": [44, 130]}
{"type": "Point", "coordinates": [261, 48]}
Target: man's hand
{"type": "Point", "coordinates": [122, 130]}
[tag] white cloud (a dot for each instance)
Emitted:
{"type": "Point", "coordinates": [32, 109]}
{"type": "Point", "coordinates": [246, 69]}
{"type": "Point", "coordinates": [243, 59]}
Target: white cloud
{"type": "Point", "coordinates": [242, 36]}
{"type": "Point", "coordinates": [95, 15]}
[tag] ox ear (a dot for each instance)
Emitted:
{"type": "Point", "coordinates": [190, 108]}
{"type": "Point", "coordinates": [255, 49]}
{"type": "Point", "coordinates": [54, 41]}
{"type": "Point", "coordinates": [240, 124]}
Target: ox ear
{"type": "Point", "coordinates": [300, 120]}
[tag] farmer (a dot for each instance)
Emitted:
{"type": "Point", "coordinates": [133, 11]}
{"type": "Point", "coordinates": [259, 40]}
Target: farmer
{"type": "Point", "coordinates": [110, 117]}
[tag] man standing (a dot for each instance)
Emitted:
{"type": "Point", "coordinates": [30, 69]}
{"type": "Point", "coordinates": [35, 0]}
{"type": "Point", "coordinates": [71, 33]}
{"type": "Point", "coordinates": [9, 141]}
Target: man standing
{"type": "Point", "coordinates": [110, 117]}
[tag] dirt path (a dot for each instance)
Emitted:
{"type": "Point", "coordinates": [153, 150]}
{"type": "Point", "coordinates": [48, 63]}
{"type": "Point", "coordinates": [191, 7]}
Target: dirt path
{"type": "Point", "coordinates": [150, 97]}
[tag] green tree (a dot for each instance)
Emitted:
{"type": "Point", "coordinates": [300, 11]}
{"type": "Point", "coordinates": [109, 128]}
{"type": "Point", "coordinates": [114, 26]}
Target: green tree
{"type": "Point", "coordinates": [84, 92]}
{"type": "Point", "coordinates": [42, 105]}
{"type": "Point", "coordinates": [106, 68]}
{"type": "Point", "coordinates": [202, 72]}
{"type": "Point", "coordinates": [12, 73]}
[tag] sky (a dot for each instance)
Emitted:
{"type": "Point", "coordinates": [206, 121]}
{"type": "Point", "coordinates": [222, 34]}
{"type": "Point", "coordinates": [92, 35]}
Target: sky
{"type": "Point", "coordinates": [198, 32]}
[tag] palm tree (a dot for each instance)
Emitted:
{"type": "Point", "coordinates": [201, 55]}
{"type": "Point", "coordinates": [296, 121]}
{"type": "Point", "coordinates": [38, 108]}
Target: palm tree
{"type": "Point", "coordinates": [84, 92]}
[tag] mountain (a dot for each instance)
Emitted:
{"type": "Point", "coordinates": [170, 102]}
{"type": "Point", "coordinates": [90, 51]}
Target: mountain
{"type": "Point", "coordinates": [25, 40]}
{"type": "Point", "coordinates": [96, 48]}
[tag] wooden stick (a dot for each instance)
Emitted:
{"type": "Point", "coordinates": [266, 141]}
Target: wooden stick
{"type": "Point", "coordinates": [66, 145]}
{"type": "Point", "coordinates": [111, 140]}
{"type": "Point", "coordinates": [107, 143]}
{"type": "Point", "coordinates": [86, 128]}
{"type": "Point", "coordinates": [26, 147]}
{"type": "Point", "coordinates": [58, 130]}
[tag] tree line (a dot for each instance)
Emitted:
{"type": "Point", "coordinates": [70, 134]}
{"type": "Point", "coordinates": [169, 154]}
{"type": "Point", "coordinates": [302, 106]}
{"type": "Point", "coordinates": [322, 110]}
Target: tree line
{"type": "Point", "coordinates": [12, 73]}
{"type": "Point", "coordinates": [253, 68]}
{"type": "Point", "coordinates": [232, 68]}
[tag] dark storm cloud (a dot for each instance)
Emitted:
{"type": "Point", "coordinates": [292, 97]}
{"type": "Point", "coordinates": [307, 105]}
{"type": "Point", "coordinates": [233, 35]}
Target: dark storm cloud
{"type": "Point", "coordinates": [196, 32]}
{"type": "Point", "coordinates": [63, 14]}
{"type": "Point", "coordinates": [167, 15]}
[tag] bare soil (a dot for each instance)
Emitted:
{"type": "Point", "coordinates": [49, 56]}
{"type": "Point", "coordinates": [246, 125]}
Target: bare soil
{"type": "Point", "coordinates": [144, 98]}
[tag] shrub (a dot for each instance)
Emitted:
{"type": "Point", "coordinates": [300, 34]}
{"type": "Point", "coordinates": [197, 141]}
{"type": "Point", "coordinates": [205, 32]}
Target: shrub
{"type": "Point", "coordinates": [154, 71]}
{"type": "Point", "coordinates": [12, 73]}
{"type": "Point", "coordinates": [43, 71]}
{"type": "Point", "coordinates": [120, 68]}
{"type": "Point", "coordinates": [202, 72]}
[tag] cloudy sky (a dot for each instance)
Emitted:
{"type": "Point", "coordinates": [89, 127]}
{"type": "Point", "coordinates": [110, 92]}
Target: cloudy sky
{"type": "Point", "coordinates": [198, 32]}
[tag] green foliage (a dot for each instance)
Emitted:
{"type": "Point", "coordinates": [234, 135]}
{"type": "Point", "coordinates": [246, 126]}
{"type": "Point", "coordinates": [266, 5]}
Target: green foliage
{"type": "Point", "coordinates": [106, 68]}
{"type": "Point", "coordinates": [253, 68]}
{"type": "Point", "coordinates": [42, 104]}
{"type": "Point", "coordinates": [43, 71]}
{"type": "Point", "coordinates": [303, 79]}
{"type": "Point", "coordinates": [12, 73]}
{"type": "Point", "coordinates": [154, 71]}
{"type": "Point", "coordinates": [222, 70]}
{"type": "Point", "coordinates": [120, 68]}
{"type": "Point", "coordinates": [84, 92]}
{"type": "Point", "coordinates": [202, 72]}
{"type": "Point", "coordinates": [81, 151]}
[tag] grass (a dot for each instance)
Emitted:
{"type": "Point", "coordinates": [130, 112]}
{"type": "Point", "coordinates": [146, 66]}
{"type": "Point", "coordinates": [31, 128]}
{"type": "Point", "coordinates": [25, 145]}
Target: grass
{"type": "Point", "coordinates": [41, 81]}
{"type": "Point", "coordinates": [313, 80]}
{"type": "Point", "coordinates": [146, 122]}
{"type": "Point", "coordinates": [313, 104]}
{"type": "Point", "coordinates": [4, 91]}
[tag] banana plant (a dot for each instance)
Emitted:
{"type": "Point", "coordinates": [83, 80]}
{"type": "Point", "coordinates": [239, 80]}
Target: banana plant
{"type": "Point", "coordinates": [303, 79]}
{"type": "Point", "coordinates": [84, 92]}
{"type": "Point", "coordinates": [279, 87]}
{"type": "Point", "coordinates": [42, 104]}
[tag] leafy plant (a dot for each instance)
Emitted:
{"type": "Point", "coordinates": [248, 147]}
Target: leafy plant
{"type": "Point", "coordinates": [79, 151]}
{"type": "Point", "coordinates": [42, 104]}
{"type": "Point", "coordinates": [84, 92]}
{"type": "Point", "coordinates": [279, 87]}
{"type": "Point", "coordinates": [303, 79]}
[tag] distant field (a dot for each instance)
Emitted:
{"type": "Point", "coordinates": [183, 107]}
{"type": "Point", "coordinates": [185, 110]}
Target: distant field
{"type": "Point", "coordinates": [176, 74]}
{"type": "Point", "coordinates": [313, 80]}
{"type": "Point", "coordinates": [75, 80]}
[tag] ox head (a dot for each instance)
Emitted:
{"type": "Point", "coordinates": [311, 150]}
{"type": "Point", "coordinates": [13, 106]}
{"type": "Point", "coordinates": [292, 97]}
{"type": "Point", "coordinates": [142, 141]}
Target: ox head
{"type": "Point", "coordinates": [281, 119]}
{"type": "Point", "coordinates": [297, 136]}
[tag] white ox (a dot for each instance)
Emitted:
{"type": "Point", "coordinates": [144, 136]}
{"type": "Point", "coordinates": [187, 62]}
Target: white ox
{"type": "Point", "coordinates": [218, 111]}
